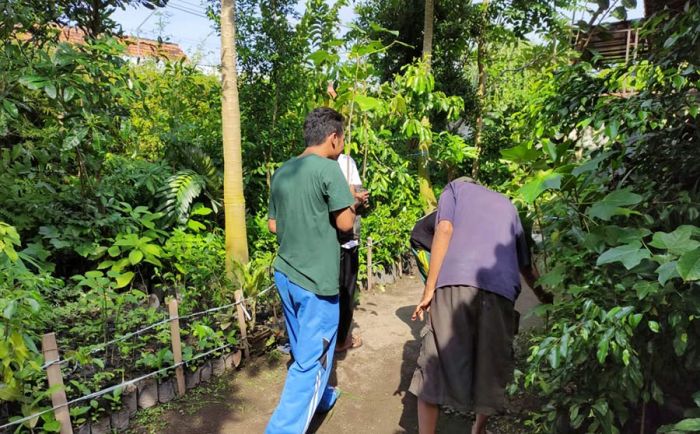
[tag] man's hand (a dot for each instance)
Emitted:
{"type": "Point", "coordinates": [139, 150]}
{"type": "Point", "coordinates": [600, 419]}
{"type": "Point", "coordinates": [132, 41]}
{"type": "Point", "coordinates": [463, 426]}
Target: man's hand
{"type": "Point", "coordinates": [423, 305]}
{"type": "Point", "coordinates": [543, 295]}
{"type": "Point", "coordinates": [362, 197]}
{"type": "Point", "coordinates": [330, 91]}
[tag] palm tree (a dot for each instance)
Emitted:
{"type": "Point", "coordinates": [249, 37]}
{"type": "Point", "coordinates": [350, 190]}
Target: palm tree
{"type": "Point", "coordinates": [234, 202]}
{"type": "Point", "coordinates": [481, 89]}
{"type": "Point", "coordinates": [426, 190]}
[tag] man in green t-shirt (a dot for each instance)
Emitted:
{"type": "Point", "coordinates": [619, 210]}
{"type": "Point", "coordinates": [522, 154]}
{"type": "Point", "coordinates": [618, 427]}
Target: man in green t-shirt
{"type": "Point", "coordinates": [309, 202]}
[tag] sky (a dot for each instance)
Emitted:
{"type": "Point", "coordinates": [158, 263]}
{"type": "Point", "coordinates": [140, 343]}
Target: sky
{"type": "Point", "coordinates": [184, 22]}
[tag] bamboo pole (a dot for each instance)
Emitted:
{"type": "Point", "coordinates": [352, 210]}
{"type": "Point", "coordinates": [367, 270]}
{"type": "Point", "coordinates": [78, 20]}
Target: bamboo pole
{"type": "Point", "coordinates": [242, 326]}
{"type": "Point", "coordinates": [369, 263]}
{"type": "Point", "coordinates": [49, 349]}
{"type": "Point", "coordinates": [177, 346]}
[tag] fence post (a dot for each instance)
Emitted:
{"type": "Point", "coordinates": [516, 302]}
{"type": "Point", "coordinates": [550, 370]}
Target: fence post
{"type": "Point", "coordinates": [242, 325]}
{"type": "Point", "coordinates": [369, 263]}
{"type": "Point", "coordinates": [400, 266]}
{"type": "Point", "coordinates": [177, 346]}
{"type": "Point", "coordinates": [53, 372]}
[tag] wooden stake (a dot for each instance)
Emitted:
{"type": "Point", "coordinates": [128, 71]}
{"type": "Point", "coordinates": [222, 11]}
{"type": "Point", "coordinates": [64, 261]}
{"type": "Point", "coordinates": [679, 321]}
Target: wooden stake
{"type": "Point", "coordinates": [242, 326]}
{"type": "Point", "coordinates": [369, 263]}
{"type": "Point", "coordinates": [53, 372]}
{"type": "Point", "coordinates": [177, 347]}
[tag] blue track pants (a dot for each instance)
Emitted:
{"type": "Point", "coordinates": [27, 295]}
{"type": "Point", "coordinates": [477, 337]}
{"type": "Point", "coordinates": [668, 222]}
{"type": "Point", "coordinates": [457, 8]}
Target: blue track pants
{"type": "Point", "coordinates": [312, 326]}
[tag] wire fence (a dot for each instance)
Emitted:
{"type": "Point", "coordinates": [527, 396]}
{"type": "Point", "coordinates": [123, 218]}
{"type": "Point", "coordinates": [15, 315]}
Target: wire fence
{"type": "Point", "coordinates": [103, 346]}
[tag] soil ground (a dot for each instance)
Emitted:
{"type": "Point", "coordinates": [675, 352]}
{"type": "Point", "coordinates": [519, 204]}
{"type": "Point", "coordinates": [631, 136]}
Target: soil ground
{"type": "Point", "coordinates": [373, 378]}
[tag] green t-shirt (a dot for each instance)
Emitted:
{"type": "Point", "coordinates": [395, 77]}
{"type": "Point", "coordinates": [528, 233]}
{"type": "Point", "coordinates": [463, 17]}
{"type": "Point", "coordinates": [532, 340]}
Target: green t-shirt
{"type": "Point", "coordinates": [304, 193]}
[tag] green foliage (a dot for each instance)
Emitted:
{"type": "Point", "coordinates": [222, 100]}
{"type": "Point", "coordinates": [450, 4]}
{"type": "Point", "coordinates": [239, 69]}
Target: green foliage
{"type": "Point", "coordinates": [608, 180]}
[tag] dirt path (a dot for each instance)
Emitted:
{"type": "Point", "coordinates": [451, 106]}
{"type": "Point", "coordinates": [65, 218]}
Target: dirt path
{"type": "Point", "coordinates": [373, 378]}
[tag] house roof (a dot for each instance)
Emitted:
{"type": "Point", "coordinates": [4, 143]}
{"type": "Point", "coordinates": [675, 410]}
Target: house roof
{"type": "Point", "coordinates": [135, 47]}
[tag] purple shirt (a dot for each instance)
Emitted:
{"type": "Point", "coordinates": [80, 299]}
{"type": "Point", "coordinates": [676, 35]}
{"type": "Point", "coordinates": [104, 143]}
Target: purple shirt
{"type": "Point", "coordinates": [488, 245]}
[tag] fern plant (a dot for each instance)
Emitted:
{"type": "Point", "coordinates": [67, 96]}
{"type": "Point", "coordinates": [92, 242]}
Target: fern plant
{"type": "Point", "coordinates": [200, 176]}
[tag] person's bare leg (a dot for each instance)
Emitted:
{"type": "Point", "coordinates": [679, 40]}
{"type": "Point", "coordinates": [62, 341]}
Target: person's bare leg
{"type": "Point", "coordinates": [480, 424]}
{"type": "Point", "coordinates": [427, 417]}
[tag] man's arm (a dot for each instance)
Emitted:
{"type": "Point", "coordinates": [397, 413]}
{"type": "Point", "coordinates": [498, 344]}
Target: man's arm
{"type": "Point", "coordinates": [272, 225]}
{"type": "Point", "coordinates": [530, 275]}
{"type": "Point", "coordinates": [441, 242]}
{"type": "Point", "coordinates": [345, 218]}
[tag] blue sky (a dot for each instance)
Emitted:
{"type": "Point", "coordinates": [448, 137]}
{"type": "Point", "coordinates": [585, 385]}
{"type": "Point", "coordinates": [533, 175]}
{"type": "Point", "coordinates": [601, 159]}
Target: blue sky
{"type": "Point", "coordinates": [184, 22]}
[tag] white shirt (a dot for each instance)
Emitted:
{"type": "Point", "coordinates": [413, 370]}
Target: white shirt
{"type": "Point", "coordinates": [352, 176]}
{"type": "Point", "coordinates": [349, 169]}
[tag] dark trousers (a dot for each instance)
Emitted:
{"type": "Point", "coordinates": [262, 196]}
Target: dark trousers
{"type": "Point", "coordinates": [349, 264]}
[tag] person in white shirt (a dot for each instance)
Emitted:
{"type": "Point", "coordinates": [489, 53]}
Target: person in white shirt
{"type": "Point", "coordinates": [349, 260]}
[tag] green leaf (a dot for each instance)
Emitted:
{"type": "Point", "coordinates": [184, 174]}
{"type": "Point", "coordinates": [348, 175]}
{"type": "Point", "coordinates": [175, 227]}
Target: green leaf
{"type": "Point", "coordinates": [677, 242]}
{"type": "Point", "coordinates": [29, 342]}
{"type": "Point", "coordinates": [201, 210]}
{"type": "Point", "coordinates": [10, 310]}
{"type": "Point", "coordinates": [686, 425]}
{"type": "Point", "coordinates": [68, 94]}
{"type": "Point", "coordinates": [667, 272]}
{"type": "Point", "coordinates": [377, 28]}
{"type": "Point", "coordinates": [321, 56]}
{"type": "Point", "coordinates": [554, 357]}
{"type": "Point", "coordinates": [689, 265]}
{"type": "Point", "coordinates": [671, 40]}
{"type": "Point", "coordinates": [626, 357]}
{"type": "Point", "coordinates": [634, 319]}
{"type": "Point", "coordinates": [364, 49]}
{"type": "Point", "coordinates": [613, 203]}
{"type": "Point", "coordinates": [124, 279]}
{"type": "Point", "coordinates": [644, 288]}
{"type": "Point", "coordinates": [10, 108]}
{"type": "Point", "coordinates": [629, 4]}
{"type": "Point", "coordinates": [590, 165]}
{"type": "Point", "coordinates": [620, 13]}
{"type": "Point", "coordinates": [680, 343]}
{"type": "Point", "coordinates": [74, 139]}
{"type": "Point", "coordinates": [542, 182]}
{"type": "Point", "coordinates": [114, 251]}
{"type": "Point", "coordinates": [50, 90]}
{"type": "Point", "coordinates": [33, 82]}
{"type": "Point", "coordinates": [368, 103]}
{"type": "Point", "coordinates": [195, 225]}
{"type": "Point", "coordinates": [52, 426]}
{"type": "Point", "coordinates": [602, 352]}
{"type": "Point", "coordinates": [135, 257]}
{"type": "Point", "coordinates": [9, 393]}
{"type": "Point", "coordinates": [616, 235]}
{"type": "Point", "coordinates": [630, 255]}
{"type": "Point", "coordinates": [654, 326]}
{"type": "Point", "coordinates": [553, 277]}
{"type": "Point", "coordinates": [520, 154]}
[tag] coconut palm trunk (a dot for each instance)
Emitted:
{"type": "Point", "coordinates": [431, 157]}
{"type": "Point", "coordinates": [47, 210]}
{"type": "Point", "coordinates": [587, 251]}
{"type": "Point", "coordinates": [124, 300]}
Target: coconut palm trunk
{"type": "Point", "coordinates": [481, 89]}
{"type": "Point", "coordinates": [426, 190]}
{"type": "Point", "coordinates": [234, 202]}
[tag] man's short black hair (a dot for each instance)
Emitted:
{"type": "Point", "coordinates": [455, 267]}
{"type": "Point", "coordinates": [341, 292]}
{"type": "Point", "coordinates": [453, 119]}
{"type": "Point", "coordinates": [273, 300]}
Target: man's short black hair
{"type": "Point", "coordinates": [321, 123]}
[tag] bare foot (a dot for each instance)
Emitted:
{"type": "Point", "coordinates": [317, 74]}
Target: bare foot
{"type": "Point", "coordinates": [350, 344]}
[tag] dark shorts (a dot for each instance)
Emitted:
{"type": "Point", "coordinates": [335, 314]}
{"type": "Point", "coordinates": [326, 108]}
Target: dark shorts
{"type": "Point", "coordinates": [466, 357]}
